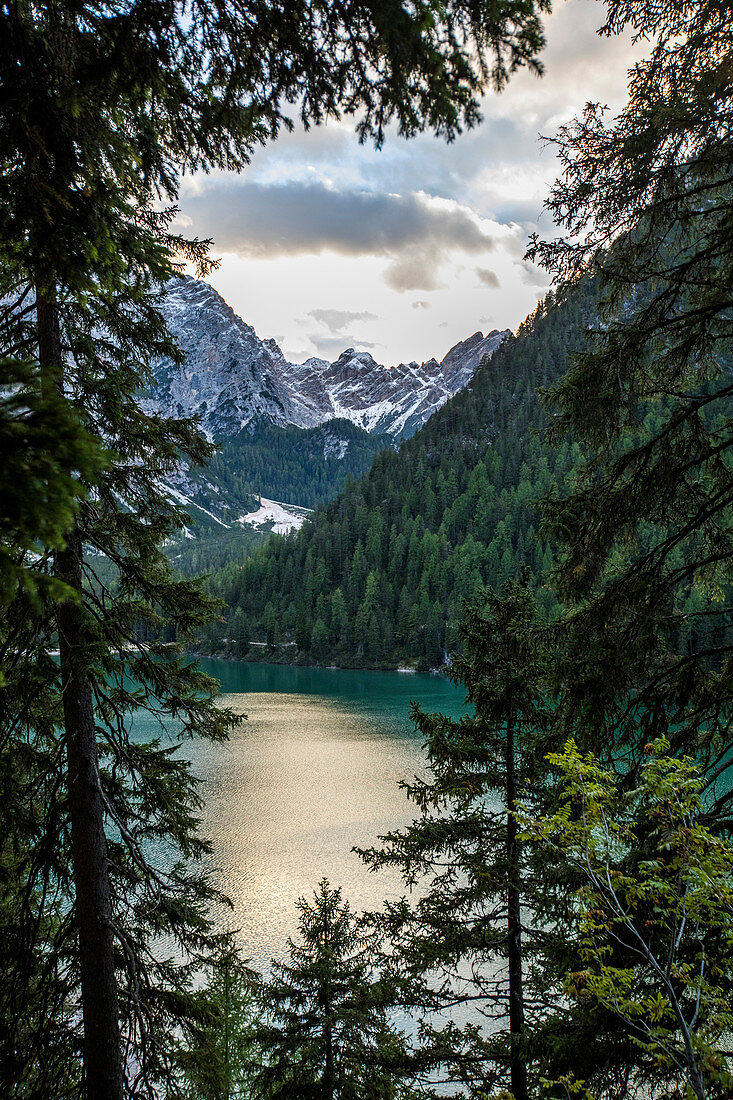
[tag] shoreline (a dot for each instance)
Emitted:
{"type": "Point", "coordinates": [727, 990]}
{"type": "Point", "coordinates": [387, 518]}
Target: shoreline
{"type": "Point", "coordinates": [272, 659]}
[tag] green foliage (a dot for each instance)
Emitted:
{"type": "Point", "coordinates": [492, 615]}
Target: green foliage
{"type": "Point", "coordinates": [645, 538]}
{"type": "Point", "coordinates": [644, 526]}
{"type": "Point", "coordinates": [325, 1032]}
{"type": "Point", "coordinates": [478, 889]}
{"type": "Point", "coordinates": [206, 552]}
{"type": "Point", "coordinates": [405, 545]}
{"type": "Point", "coordinates": [217, 1065]}
{"type": "Point", "coordinates": [39, 494]}
{"type": "Point", "coordinates": [654, 917]}
{"type": "Point", "coordinates": [306, 469]}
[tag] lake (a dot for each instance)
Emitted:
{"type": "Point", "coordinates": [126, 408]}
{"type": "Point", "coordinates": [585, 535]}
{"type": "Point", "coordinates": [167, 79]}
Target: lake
{"type": "Point", "coordinates": [312, 772]}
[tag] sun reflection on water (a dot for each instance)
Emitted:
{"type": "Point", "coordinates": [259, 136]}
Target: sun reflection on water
{"type": "Point", "coordinates": [313, 772]}
{"type": "Point", "coordinates": [302, 782]}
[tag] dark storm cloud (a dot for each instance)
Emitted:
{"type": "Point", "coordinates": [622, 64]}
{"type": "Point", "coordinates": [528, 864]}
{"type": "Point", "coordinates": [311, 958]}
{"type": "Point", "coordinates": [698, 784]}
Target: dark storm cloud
{"type": "Point", "coordinates": [298, 218]}
{"type": "Point", "coordinates": [336, 320]}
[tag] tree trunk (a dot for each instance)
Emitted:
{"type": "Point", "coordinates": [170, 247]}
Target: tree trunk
{"type": "Point", "coordinates": [92, 910]}
{"type": "Point", "coordinates": [517, 1067]}
{"type": "Point", "coordinates": [328, 1069]}
{"type": "Point", "coordinates": [328, 1080]}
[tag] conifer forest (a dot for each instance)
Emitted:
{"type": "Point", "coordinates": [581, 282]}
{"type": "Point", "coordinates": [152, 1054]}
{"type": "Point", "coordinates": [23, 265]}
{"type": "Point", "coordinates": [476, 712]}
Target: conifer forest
{"type": "Point", "coordinates": [556, 540]}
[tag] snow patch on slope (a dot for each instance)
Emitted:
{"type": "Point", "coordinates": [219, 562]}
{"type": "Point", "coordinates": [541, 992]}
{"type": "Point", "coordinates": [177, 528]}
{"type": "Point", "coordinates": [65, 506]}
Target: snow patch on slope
{"type": "Point", "coordinates": [284, 517]}
{"type": "Point", "coordinates": [187, 502]}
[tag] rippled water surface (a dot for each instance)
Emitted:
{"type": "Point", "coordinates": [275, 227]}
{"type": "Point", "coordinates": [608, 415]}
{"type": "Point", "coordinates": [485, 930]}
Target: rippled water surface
{"type": "Point", "coordinates": [312, 772]}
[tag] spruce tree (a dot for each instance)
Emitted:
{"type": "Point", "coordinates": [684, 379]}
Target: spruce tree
{"type": "Point", "coordinates": [325, 1032]}
{"type": "Point", "coordinates": [42, 440]}
{"type": "Point", "coordinates": [462, 946]}
{"type": "Point", "coordinates": [646, 534]}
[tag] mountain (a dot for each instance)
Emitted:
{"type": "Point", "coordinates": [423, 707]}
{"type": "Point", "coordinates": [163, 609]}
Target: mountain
{"type": "Point", "coordinates": [291, 431]}
{"type": "Point", "coordinates": [392, 400]}
{"type": "Point", "coordinates": [378, 576]}
{"type": "Point", "coordinates": [231, 378]}
{"type": "Point", "coordinates": [284, 464]}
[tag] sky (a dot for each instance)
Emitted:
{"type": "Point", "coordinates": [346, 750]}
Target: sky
{"type": "Point", "coordinates": [326, 244]}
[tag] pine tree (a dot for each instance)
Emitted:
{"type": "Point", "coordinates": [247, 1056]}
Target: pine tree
{"type": "Point", "coordinates": [325, 1032]}
{"type": "Point", "coordinates": [645, 201]}
{"type": "Point", "coordinates": [479, 888]}
{"type": "Point", "coordinates": [41, 441]}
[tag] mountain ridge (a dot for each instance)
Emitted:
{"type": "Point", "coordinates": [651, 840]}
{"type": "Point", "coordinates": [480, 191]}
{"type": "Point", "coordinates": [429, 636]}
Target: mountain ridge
{"type": "Point", "coordinates": [378, 576]}
{"type": "Point", "coordinates": [230, 377]}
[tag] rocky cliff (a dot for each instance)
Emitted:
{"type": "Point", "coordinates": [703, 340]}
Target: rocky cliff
{"type": "Point", "coordinates": [231, 378]}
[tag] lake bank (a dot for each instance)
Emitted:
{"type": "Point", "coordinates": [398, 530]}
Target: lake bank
{"type": "Point", "coordinates": [284, 656]}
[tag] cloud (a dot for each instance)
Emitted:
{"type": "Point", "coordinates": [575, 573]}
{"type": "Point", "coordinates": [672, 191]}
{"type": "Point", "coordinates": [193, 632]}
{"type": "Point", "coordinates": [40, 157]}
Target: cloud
{"type": "Point", "coordinates": [415, 271]}
{"type": "Point", "coordinates": [330, 347]}
{"type": "Point", "coordinates": [534, 276]}
{"type": "Point", "coordinates": [488, 278]}
{"type": "Point", "coordinates": [335, 320]}
{"type": "Point", "coordinates": [301, 218]}
{"type": "Point", "coordinates": [421, 305]}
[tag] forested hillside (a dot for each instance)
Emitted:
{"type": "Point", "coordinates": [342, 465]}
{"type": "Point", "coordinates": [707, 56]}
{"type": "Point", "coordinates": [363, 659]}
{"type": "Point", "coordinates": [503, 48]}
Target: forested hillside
{"type": "Point", "coordinates": [300, 466]}
{"type": "Point", "coordinates": [379, 576]}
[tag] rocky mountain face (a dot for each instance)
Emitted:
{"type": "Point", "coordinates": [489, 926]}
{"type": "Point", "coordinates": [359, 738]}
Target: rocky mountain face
{"type": "Point", "coordinates": [287, 431]}
{"type": "Point", "coordinates": [231, 378]}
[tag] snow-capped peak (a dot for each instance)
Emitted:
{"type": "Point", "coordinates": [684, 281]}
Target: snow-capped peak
{"type": "Point", "coordinates": [230, 377]}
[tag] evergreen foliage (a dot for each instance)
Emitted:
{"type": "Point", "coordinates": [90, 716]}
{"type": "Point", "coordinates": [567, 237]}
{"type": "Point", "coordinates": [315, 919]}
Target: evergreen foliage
{"type": "Point", "coordinates": [99, 859]}
{"type": "Point", "coordinates": [469, 946]}
{"type": "Point", "coordinates": [305, 466]}
{"type": "Point", "coordinates": [325, 1033]}
{"type": "Point", "coordinates": [645, 527]}
{"type": "Point", "coordinates": [385, 568]}
{"type": "Point", "coordinates": [217, 1065]}
{"type": "Point", "coordinates": [645, 538]}
{"type": "Point", "coordinates": [644, 535]}
{"type": "Point", "coordinates": [39, 494]}
{"type": "Point", "coordinates": [207, 552]}
{"type": "Point", "coordinates": [301, 467]}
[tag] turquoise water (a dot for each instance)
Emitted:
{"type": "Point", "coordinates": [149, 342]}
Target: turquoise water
{"type": "Point", "coordinates": [312, 772]}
